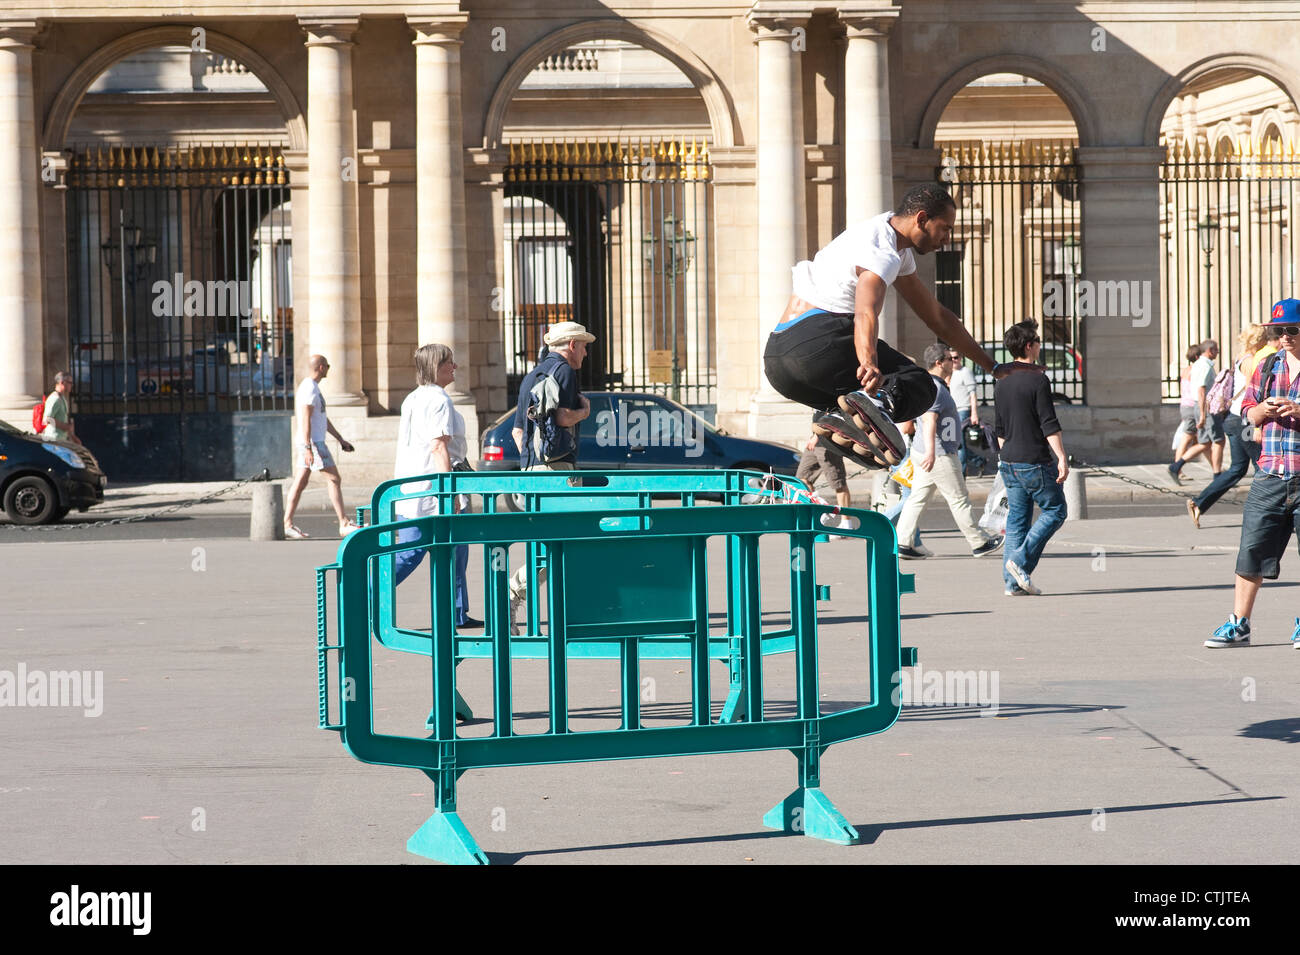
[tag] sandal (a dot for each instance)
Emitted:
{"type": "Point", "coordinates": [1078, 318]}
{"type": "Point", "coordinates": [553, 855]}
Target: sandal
{"type": "Point", "coordinates": [294, 533]}
{"type": "Point", "coordinates": [347, 527]}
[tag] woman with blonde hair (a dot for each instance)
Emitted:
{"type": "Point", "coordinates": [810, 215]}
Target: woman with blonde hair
{"type": "Point", "coordinates": [1252, 345]}
{"type": "Point", "coordinates": [430, 438]}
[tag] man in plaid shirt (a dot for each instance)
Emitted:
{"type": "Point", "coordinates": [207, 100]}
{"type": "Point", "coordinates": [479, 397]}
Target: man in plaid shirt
{"type": "Point", "coordinates": [1271, 405]}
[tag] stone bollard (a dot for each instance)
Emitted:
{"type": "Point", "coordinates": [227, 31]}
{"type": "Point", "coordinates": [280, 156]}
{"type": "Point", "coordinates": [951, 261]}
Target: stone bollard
{"type": "Point", "coordinates": [1076, 496]}
{"type": "Point", "coordinates": [267, 523]}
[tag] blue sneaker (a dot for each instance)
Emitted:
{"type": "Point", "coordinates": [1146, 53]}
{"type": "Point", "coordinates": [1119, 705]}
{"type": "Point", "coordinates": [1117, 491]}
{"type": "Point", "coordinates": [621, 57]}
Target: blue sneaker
{"type": "Point", "coordinates": [1234, 633]}
{"type": "Point", "coordinates": [1295, 635]}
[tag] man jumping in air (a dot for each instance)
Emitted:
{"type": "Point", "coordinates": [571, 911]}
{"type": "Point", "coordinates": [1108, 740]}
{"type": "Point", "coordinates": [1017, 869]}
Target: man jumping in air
{"type": "Point", "coordinates": [825, 352]}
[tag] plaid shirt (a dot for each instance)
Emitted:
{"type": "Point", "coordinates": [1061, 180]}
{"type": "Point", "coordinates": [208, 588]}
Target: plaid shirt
{"type": "Point", "coordinates": [1281, 438]}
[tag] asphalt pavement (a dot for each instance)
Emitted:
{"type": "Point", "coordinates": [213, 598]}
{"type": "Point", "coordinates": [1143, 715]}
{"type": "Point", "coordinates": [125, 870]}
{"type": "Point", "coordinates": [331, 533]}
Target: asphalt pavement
{"type": "Point", "coordinates": [1106, 734]}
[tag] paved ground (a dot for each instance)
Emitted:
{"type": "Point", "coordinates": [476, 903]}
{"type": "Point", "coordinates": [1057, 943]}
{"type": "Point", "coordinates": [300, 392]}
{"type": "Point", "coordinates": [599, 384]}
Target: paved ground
{"type": "Point", "coordinates": [1118, 738]}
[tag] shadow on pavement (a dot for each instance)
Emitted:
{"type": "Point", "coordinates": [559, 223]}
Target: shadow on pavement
{"type": "Point", "coordinates": [870, 832]}
{"type": "Point", "coordinates": [1285, 731]}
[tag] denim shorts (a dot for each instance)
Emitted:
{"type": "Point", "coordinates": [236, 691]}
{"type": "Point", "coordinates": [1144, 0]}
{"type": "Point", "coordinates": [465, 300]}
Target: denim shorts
{"type": "Point", "coordinates": [1271, 513]}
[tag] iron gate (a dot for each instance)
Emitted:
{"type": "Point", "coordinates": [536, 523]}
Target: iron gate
{"type": "Point", "coordinates": [616, 236]}
{"type": "Point", "coordinates": [1227, 225]}
{"type": "Point", "coordinates": [1016, 252]}
{"type": "Point", "coordinates": [180, 306]}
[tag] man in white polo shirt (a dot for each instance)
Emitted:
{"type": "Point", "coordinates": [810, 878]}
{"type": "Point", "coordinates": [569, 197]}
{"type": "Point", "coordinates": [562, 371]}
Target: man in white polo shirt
{"type": "Point", "coordinates": [312, 452]}
{"type": "Point", "coordinates": [825, 352]}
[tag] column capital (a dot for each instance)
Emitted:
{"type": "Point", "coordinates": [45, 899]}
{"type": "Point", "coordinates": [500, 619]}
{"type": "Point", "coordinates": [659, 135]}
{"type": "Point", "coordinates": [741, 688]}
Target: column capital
{"type": "Point", "coordinates": [17, 34]}
{"type": "Point", "coordinates": [444, 30]}
{"type": "Point", "coordinates": [870, 22]}
{"type": "Point", "coordinates": [329, 31]}
{"type": "Point", "coordinates": [775, 22]}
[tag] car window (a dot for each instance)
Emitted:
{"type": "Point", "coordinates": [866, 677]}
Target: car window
{"type": "Point", "coordinates": [1057, 359]}
{"type": "Point", "coordinates": [649, 424]}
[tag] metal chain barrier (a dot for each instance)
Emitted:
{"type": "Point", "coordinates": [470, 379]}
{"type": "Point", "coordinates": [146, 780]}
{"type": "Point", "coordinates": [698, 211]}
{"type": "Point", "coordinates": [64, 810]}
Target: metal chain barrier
{"type": "Point", "coordinates": [1143, 484]}
{"type": "Point", "coordinates": [263, 475]}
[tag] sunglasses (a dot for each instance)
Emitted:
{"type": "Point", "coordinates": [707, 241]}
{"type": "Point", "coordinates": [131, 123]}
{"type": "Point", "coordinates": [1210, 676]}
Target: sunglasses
{"type": "Point", "coordinates": [1291, 330]}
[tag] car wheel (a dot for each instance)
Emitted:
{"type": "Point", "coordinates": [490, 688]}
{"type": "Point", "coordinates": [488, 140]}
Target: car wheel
{"type": "Point", "coordinates": [511, 502]}
{"type": "Point", "coordinates": [31, 500]}
{"type": "Point", "coordinates": [59, 514]}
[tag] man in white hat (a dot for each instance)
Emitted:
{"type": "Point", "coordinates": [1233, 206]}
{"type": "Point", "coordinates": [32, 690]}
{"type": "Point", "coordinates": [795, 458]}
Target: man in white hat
{"type": "Point", "coordinates": [547, 442]}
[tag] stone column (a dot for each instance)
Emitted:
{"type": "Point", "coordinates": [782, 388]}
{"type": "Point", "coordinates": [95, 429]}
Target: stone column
{"type": "Point", "coordinates": [334, 289]}
{"type": "Point", "coordinates": [782, 220]}
{"type": "Point", "coordinates": [1121, 243]}
{"type": "Point", "coordinates": [21, 313]}
{"type": "Point", "coordinates": [442, 298]}
{"type": "Point", "coordinates": [868, 136]}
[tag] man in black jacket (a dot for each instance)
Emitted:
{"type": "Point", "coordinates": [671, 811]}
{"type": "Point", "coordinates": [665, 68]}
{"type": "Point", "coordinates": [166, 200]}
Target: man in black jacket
{"type": "Point", "coordinates": [1033, 463]}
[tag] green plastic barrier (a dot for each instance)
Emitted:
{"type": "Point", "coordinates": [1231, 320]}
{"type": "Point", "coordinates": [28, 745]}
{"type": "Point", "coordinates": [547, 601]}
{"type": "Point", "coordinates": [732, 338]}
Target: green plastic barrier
{"type": "Point", "coordinates": [592, 596]}
{"type": "Point", "coordinates": [552, 491]}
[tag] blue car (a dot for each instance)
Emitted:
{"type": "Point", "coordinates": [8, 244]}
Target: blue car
{"type": "Point", "coordinates": [642, 431]}
{"type": "Point", "coordinates": [40, 480]}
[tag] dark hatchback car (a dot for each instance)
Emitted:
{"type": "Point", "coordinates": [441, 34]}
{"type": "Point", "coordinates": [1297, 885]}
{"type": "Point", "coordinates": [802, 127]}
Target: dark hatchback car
{"type": "Point", "coordinates": [645, 431]}
{"type": "Point", "coordinates": [41, 481]}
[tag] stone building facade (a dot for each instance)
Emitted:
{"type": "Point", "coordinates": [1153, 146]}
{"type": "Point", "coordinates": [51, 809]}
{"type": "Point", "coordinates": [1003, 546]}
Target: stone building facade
{"type": "Point", "coordinates": [394, 125]}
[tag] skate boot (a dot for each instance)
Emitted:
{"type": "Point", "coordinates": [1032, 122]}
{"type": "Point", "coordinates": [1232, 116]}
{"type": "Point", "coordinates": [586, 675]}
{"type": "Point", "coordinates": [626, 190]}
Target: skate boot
{"type": "Point", "coordinates": [838, 432]}
{"type": "Point", "coordinates": [872, 415]}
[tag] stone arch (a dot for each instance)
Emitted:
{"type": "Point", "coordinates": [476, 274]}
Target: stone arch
{"type": "Point", "coordinates": [1051, 77]}
{"type": "Point", "coordinates": [722, 113]}
{"type": "Point", "coordinates": [1269, 69]}
{"type": "Point", "coordinates": [74, 88]}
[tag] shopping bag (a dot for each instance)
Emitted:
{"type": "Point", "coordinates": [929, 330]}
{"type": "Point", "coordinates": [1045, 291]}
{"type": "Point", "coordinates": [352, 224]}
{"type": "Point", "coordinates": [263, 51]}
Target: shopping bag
{"type": "Point", "coordinates": [995, 508]}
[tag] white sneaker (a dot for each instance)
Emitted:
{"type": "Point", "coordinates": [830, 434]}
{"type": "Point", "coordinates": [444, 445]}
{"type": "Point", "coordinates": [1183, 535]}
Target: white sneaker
{"type": "Point", "coordinates": [1022, 578]}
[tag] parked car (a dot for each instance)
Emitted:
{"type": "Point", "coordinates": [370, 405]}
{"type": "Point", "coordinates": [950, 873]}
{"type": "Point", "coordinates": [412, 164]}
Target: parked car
{"type": "Point", "coordinates": [41, 481]}
{"type": "Point", "coordinates": [1062, 364]}
{"type": "Point", "coordinates": [636, 430]}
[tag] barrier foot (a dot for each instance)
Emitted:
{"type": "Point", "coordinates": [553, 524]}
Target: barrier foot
{"type": "Point", "coordinates": [463, 712]}
{"type": "Point", "coordinates": [807, 811]}
{"type": "Point", "coordinates": [444, 838]}
{"type": "Point", "coordinates": [733, 709]}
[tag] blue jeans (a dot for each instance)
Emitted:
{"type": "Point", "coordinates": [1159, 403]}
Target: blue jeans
{"type": "Point", "coordinates": [1244, 453]}
{"type": "Point", "coordinates": [1027, 485]}
{"type": "Point", "coordinates": [406, 561]}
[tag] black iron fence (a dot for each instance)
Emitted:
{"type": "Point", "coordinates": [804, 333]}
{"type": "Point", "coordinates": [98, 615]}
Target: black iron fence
{"type": "Point", "coordinates": [616, 236]}
{"type": "Point", "coordinates": [1230, 248]}
{"type": "Point", "coordinates": [179, 289]}
{"type": "Point", "coordinates": [1016, 252]}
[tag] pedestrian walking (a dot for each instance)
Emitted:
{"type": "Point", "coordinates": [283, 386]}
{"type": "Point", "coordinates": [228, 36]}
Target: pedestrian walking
{"type": "Point", "coordinates": [312, 452]}
{"type": "Point", "coordinates": [550, 407]}
{"type": "Point", "coordinates": [1033, 463]}
{"type": "Point", "coordinates": [431, 439]}
{"type": "Point", "coordinates": [962, 385]}
{"type": "Point", "coordinates": [1209, 436]}
{"type": "Point", "coordinates": [58, 420]}
{"type": "Point", "coordinates": [935, 466]}
{"type": "Point", "coordinates": [1186, 405]}
{"type": "Point", "coordinates": [1252, 345]}
{"type": "Point", "coordinates": [1271, 404]}
{"type": "Point", "coordinates": [818, 463]}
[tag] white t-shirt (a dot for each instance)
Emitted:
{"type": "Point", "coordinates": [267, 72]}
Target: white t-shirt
{"type": "Point", "coordinates": [962, 387]}
{"type": "Point", "coordinates": [309, 394]}
{"type": "Point", "coordinates": [1202, 374]}
{"type": "Point", "coordinates": [427, 414]}
{"type": "Point", "coordinates": [830, 280]}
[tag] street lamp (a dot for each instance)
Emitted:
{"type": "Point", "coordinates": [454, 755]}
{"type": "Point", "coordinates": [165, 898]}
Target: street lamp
{"type": "Point", "coordinates": [1208, 231]}
{"type": "Point", "coordinates": [678, 251]}
{"type": "Point", "coordinates": [130, 258]}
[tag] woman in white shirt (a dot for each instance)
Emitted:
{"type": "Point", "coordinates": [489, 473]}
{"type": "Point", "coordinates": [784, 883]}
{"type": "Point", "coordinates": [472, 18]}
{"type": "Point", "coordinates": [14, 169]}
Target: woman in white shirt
{"type": "Point", "coordinates": [430, 438]}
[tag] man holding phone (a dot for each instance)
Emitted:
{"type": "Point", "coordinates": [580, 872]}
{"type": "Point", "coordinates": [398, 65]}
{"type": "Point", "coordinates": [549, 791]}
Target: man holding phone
{"type": "Point", "coordinates": [1272, 509]}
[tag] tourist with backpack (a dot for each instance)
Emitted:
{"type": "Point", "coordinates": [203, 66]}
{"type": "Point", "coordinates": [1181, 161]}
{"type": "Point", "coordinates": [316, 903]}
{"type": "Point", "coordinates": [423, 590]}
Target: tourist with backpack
{"type": "Point", "coordinates": [1253, 344]}
{"type": "Point", "coordinates": [52, 420]}
{"type": "Point", "coordinates": [550, 407]}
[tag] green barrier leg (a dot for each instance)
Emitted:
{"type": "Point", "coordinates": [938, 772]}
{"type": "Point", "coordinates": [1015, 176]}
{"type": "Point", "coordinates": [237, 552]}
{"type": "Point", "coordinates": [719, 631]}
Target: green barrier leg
{"type": "Point", "coordinates": [463, 711]}
{"type": "Point", "coordinates": [443, 837]}
{"type": "Point", "coordinates": [736, 690]}
{"type": "Point", "coordinates": [807, 811]}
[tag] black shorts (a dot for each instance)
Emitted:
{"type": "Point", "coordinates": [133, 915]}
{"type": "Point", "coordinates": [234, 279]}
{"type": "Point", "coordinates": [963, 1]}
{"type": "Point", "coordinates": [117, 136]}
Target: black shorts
{"type": "Point", "coordinates": [814, 361]}
{"type": "Point", "coordinates": [1271, 513]}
